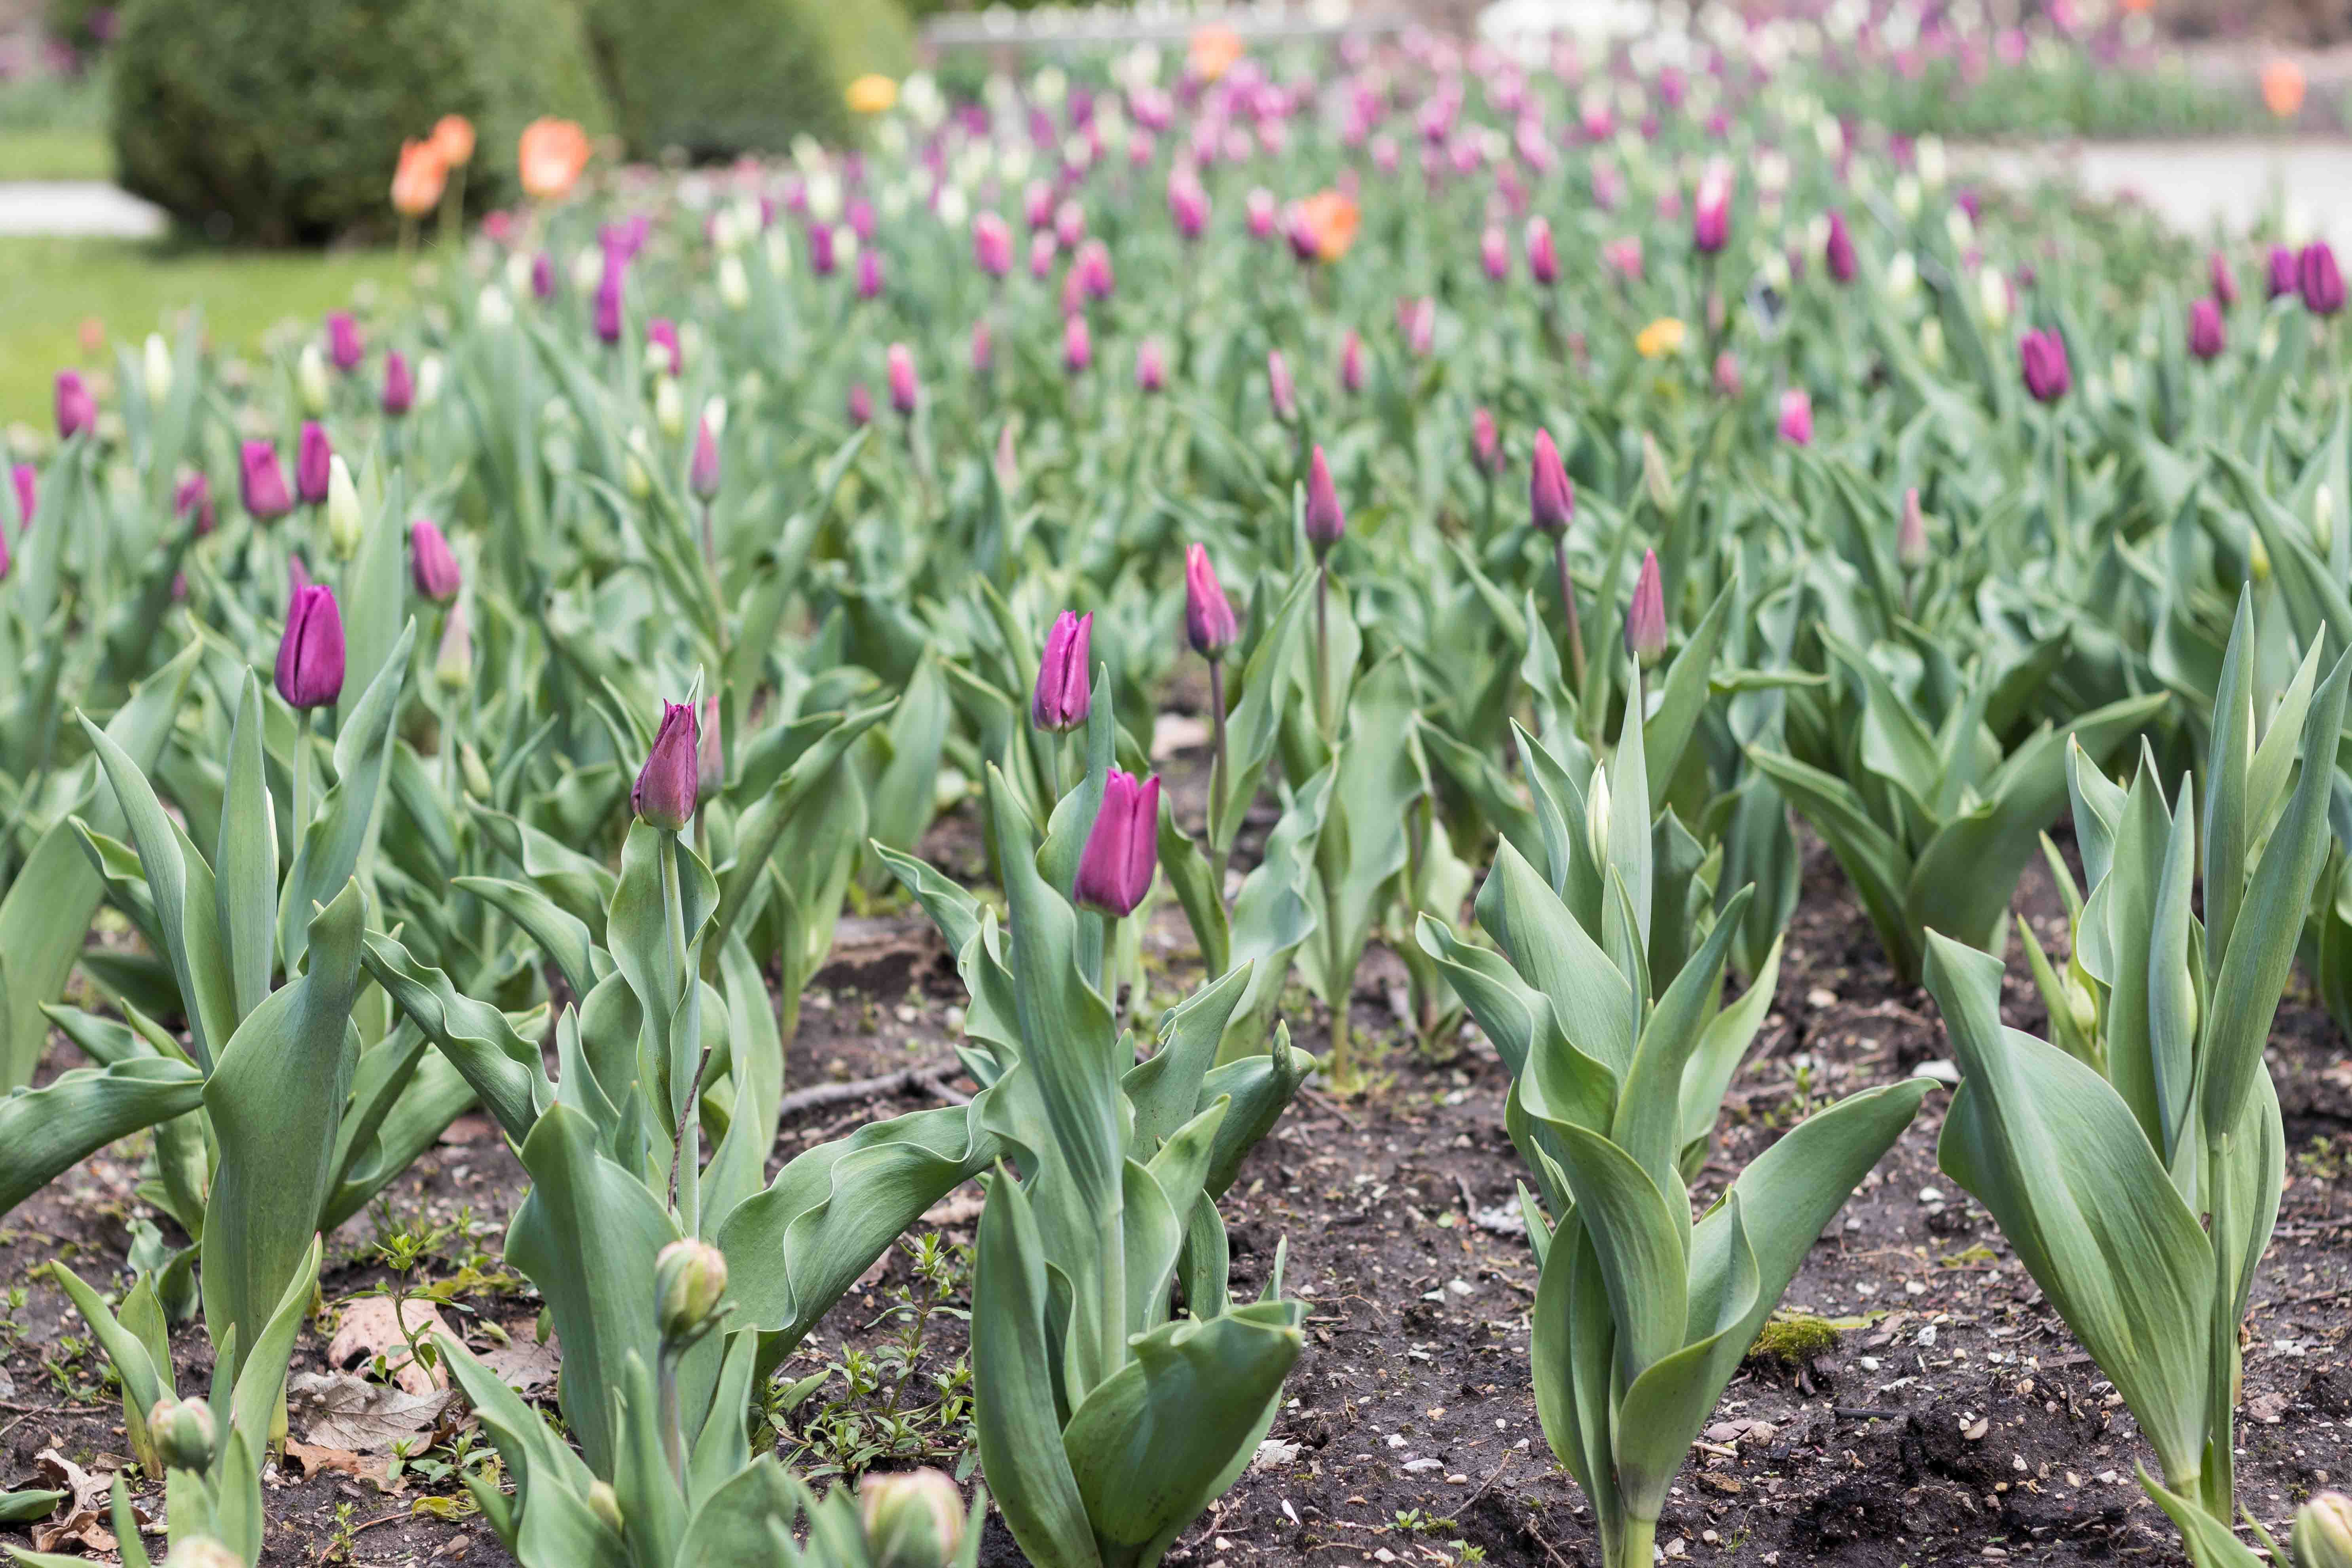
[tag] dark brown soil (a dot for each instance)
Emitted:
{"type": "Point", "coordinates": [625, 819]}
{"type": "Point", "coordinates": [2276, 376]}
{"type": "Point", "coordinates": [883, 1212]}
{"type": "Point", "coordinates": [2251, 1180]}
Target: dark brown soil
{"type": "Point", "coordinates": [1952, 1419]}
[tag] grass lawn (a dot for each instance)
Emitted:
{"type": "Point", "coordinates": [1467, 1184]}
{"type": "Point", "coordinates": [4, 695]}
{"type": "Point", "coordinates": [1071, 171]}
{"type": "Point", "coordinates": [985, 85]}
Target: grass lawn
{"type": "Point", "coordinates": [134, 287]}
{"type": "Point", "coordinates": [55, 153]}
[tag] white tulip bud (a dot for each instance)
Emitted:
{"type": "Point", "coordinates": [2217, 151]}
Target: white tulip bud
{"type": "Point", "coordinates": [1596, 819]}
{"type": "Point", "coordinates": [311, 379]}
{"type": "Point", "coordinates": [344, 524]}
{"type": "Point", "coordinates": [669, 408]}
{"type": "Point", "coordinates": [429, 371]}
{"type": "Point", "coordinates": [1931, 343]}
{"type": "Point", "coordinates": [156, 370]}
{"type": "Point", "coordinates": [734, 285]}
{"type": "Point", "coordinates": [494, 311]}
{"type": "Point", "coordinates": [1992, 297]}
{"type": "Point", "coordinates": [1907, 196]}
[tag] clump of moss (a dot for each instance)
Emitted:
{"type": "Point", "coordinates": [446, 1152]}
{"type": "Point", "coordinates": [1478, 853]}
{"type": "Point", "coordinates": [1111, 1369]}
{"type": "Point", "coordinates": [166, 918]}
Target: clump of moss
{"type": "Point", "coordinates": [1790, 1340]}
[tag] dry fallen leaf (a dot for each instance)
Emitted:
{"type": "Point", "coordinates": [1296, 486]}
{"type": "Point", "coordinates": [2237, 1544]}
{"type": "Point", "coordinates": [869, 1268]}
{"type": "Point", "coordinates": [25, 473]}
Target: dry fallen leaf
{"type": "Point", "coordinates": [336, 1410]}
{"type": "Point", "coordinates": [523, 1364]}
{"type": "Point", "coordinates": [314, 1461]}
{"type": "Point", "coordinates": [83, 1511]}
{"type": "Point", "coordinates": [370, 1330]}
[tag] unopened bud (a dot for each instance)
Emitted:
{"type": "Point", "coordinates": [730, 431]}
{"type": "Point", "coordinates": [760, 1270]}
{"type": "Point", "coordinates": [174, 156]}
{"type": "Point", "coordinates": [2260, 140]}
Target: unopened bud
{"type": "Point", "coordinates": [2258, 558]}
{"type": "Point", "coordinates": [311, 379]}
{"type": "Point", "coordinates": [2082, 1007]}
{"type": "Point", "coordinates": [913, 1518]}
{"type": "Point", "coordinates": [2322, 1532]}
{"type": "Point", "coordinates": [156, 371]}
{"type": "Point", "coordinates": [453, 663]}
{"type": "Point", "coordinates": [1596, 819]}
{"type": "Point", "coordinates": [202, 1551]}
{"type": "Point", "coordinates": [470, 770]}
{"type": "Point", "coordinates": [344, 524]}
{"type": "Point", "coordinates": [636, 467]}
{"type": "Point", "coordinates": [1911, 534]}
{"type": "Point", "coordinates": [606, 1504]}
{"type": "Point", "coordinates": [690, 1279]}
{"type": "Point", "coordinates": [734, 284]}
{"type": "Point", "coordinates": [1653, 474]}
{"type": "Point", "coordinates": [184, 1433]}
{"type": "Point", "coordinates": [2323, 518]}
{"type": "Point", "coordinates": [493, 311]}
{"type": "Point", "coordinates": [669, 408]}
{"type": "Point", "coordinates": [429, 371]}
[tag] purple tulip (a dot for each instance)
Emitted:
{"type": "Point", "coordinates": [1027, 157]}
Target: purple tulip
{"type": "Point", "coordinates": [310, 654]}
{"type": "Point", "coordinates": [76, 409]}
{"type": "Point", "coordinates": [1551, 498]}
{"type": "Point", "coordinates": [898, 367]}
{"type": "Point", "coordinates": [1092, 270]}
{"type": "Point", "coordinates": [194, 499]}
{"type": "Point", "coordinates": [702, 468]}
{"type": "Point", "coordinates": [313, 460]}
{"type": "Point", "coordinates": [1797, 416]}
{"type": "Point", "coordinates": [2320, 279]}
{"type": "Point", "coordinates": [431, 566]}
{"type": "Point", "coordinates": [1209, 623]}
{"type": "Point", "coordinates": [542, 276]}
{"type": "Point", "coordinates": [2225, 282]}
{"type": "Point", "coordinates": [1495, 254]}
{"type": "Point", "coordinates": [1728, 382]}
{"type": "Point", "coordinates": [1077, 346]}
{"type": "Point", "coordinates": [869, 274]}
{"type": "Point", "coordinates": [2283, 271]}
{"type": "Point", "coordinates": [1042, 251]}
{"type": "Point", "coordinates": [1543, 258]}
{"type": "Point", "coordinates": [1325, 522]}
{"type": "Point", "coordinates": [1281, 390]}
{"type": "Point", "coordinates": [1837, 253]}
{"type": "Point", "coordinates": [1188, 202]}
{"type": "Point", "coordinates": [1351, 363]}
{"type": "Point", "coordinates": [860, 215]}
{"type": "Point", "coordinates": [983, 348]}
{"type": "Point", "coordinates": [1123, 847]}
{"type": "Point", "coordinates": [399, 386]}
{"type": "Point", "coordinates": [261, 482]}
{"type": "Point", "coordinates": [992, 245]}
{"type": "Point", "coordinates": [1486, 442]}
{"type": "Point", "coordinates": [1150, 365]}
{"type": "Point", "coordinates": [608, 301]}
{"type": "Point", "coordinates": [1911, 533]}
{"type": "Point", "coordinates": [2044, 356]}
{"type": "Point", "coordinates": [26, 484]}
{"type": "Point", "coordinates": [821, 256]}
{"type": "Point", "coordinates": [861, 405]}
{"type": "Point", "coordinates": [1711, 213]}
{"type": "Point", "coordinates": [663, 794]}
{"type": "Point", "coordinates": [1646, 617]}
{"type": "Point", "coordinates": [661, 334]}
{"type": "Point", "coordinates": [1063, 698]}
{"type": "Point", "coordinates": [345, 346]}
{"type": "Point", "coordinates": [1037, 205]}
{"type": "Point", "coordinates": [2206, 339]}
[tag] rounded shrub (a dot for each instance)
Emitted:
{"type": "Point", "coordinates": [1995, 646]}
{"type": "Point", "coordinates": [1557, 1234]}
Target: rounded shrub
{"type": "Point", "coordinates": [270, 123]}
{"type": "Point", "coordinates": [714, 77]}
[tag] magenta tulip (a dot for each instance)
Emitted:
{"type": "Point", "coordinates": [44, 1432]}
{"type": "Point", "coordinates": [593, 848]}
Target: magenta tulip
{"type": "Point", "coordinates": [2319, 279]}
{"type": "Point", "coordinates": [431, 566]}
{"type": "Point", "coordinates": [1325, 522]}
{"type": "Point", "coordinates": [1551, 498]}
{"type": "Point", "coordinates": [1123, 847]}
{"type": "Point", "coordinates": [76, 409]}
{"type": "Point", "coordinates": [310, 654]}
{"type": "Point", "coordinates": [2043, 357]}
{"type": "Point", "coordinates": [261, 482]}
{"type": "Point", "coordinates": [1064, 698]}
{"type": "Point", "coordinates": [1209, 623]}
{"type": "Point", "coordinates": [314, 459]}
{"type": "Point", "coordinates": [345, 346]}
{"type": "Point", "coordinates": [664, 795]}
{"type": "Point", "coordinates": [898, 369]}
{"type": "Point", "coordinates": [2206, 338]}
{"type": "Point", "coordinates": [399, 386]}
{"type": "Point", "coordinates": [1646, 617]}
{"type": "Point", "coordinates": [1797, 416]}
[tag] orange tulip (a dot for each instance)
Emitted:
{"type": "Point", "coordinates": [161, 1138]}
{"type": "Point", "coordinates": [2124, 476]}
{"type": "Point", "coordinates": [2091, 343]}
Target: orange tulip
{"type": "Point", "coordinates": [871, 94]}
{"type": "Point", "coordinates": [453, 134]}
{"type": "Point", "coordinates": [416, 182]}
{"type": "Point", "coordinates": [2283, 87]}
{"type": "Point", "coordinates": [552, 154]}
{"type": "Point", "coordinates": [1333, 218]}
{"type": "Point", "coordinates": [1213, 51]}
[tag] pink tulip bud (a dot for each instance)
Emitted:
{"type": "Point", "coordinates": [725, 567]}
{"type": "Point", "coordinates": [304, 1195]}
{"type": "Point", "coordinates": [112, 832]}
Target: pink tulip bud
{"type": "Point", "coordinates": [23, 480]}
{"type": "Point", "coordinates": [607, 306]}
{"type": "Point", "coordinates": [1325, 522]}
{"type": "Point", "coordinates": [869, 274]}
{"type": "Point", "coordinates": [1209, 621]}
{"type": "Point", "coordinates": [661, 343]}
{"type": "Point", "coordinates": [1495, 254]}
{"type": "Point", "coordinates": [822, 257]}
{"type": "Point", "coordinates": [2284, 272]}
{"type": "Point", "coordinates": [76, 409]}
{"type": "Point", "coordinates": [1551, 498]}
{"type": "Point", "coordinates": [1543, 259]}
{"type": "Point", "coordinates": [1150, 365]}
{"type": "Point", "coordinates": [431, 566]}
{"type": "Point", "coordinates": [1077, 346]}
{"type": "Point", "coordinates": [1063, 697]}
{"type": "Point", "coordinates": [344, 344]}
{"type": "Point", "coordinates": [1188, 202]}
{"type": "Point", "coordinates": [2043, 357]}
{"type": "Point", "coordinates": [1711, 213]}
{"type": "Point", "coordinates": [1042, 251]}
{"type": "Point", "coordinates": [1123, 847]}
{"type": "Point", "coordinates": [1911, 533]}
{"type": "Point", "coordinates": [983, 348]}
{"type": "Point", "coordinates": [2225, 280]}
{"type": "Point", "coordinates": [1727, 379]}
{"type": "Point", "coordinates": [313, 460]}
{"type": "Point", "coordinates": [1037, 205]}
{"type": "Point", "coordinates": [399, 386]}
{"type": "Point", "coordinates": [262, 483]}
{"type": "Point", "coordinates": [899, 367]}
{"type": "Point", "coordinates": [665, 794]}
{"type": "Point", "coordinates": [702, 468]}
{"type": "Point", "coordinates": [1421, 327]}
{"type": "Point", "coordinates": [1646, 617]}
{"type": "Point", "coordinates": [1837, 253]}
{"type": "Point", "coordinates": [1797, 416]}
{"type": "Point", "coordinates": [1259, 208]}
{"type": "Point", "coordinates": [2206, 339]}
{"type": "Point", "coordinates": [1351, 363]}
{"type": "Point", "coordinates": [192, 498]}
{"type": "Point", "coordinates": [861, 406]}
{"type": "Point", "coordinates": [1486, 442]}
{"type": "Point", "coordinates": [1280, 390]}
{"type": "Point", "coordinates": [310, 654]}
{"type": "Point", "coordinates": [992, 245]}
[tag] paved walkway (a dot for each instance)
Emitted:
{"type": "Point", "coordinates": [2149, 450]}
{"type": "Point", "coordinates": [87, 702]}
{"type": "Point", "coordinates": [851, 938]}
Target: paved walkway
{"type": "Point", "coordinates": [2196, 184]}
{"type": "Point", "coordinates": [76, 207]}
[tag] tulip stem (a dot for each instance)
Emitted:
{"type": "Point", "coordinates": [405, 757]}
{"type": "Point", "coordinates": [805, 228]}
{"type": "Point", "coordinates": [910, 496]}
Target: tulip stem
{"type": "Point", "coordinates": [301, 775]}
{"type": "Point", "coordinates": [1567, 603]}
{"type": "Point", "coordinates": [1217, 767]}
{"type": "Point", "coordinates": [665, 1393]}
{"type": "Point", "coordinates": [1324, 720]}
{"type": "Point", "coordinates": [685, 1181]}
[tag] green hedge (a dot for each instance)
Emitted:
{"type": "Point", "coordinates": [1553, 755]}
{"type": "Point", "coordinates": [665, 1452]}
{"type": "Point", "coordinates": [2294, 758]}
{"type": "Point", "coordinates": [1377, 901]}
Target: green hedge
{"type": "Point", "coordinates": [714, 77]}
{"type": "Point", "coordinates": [279, 122]}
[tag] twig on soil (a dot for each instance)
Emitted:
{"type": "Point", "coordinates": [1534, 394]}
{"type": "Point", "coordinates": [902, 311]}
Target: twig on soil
{"type": "Point", "coordinates": [928, 1080]}
{"type": "Point", "coordinates": [29, 1411]}
{"type": "Point", "coordinates": [1323, 1099]}
{"type": "Point", "coordinates": [1491, 1478]}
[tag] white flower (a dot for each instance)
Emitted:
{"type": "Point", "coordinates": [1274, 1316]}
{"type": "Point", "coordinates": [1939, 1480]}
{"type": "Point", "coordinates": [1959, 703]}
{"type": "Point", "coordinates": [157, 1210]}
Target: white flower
{"type": "Point", "coordinates": [310, 378]}
{"type": "Point", "coordinates": [1927, 153]}
{"type": "Point", "coordinates": [1931, 343]}
{"type": "Point", "coordinates": [669, 408]}
{"type": "Point", "coordinates": [1902, 276]}
{"type": "Point", "coordinates": [494, 311]}
{"type": "Point", "coordinates": [429, 371]}
{"type": "Point", "coordinates": [1992, 297]}
{"type": "Point", "coordinates": [587, 268]}
{"type": "Point", "coordinates": [1907, 196]}
{"type": "Point", "coordinates": [156, 371]}
{"type": "Point", "coordinates": [734, 286]}
{"type": "Point", "coordinates": [344, 524]}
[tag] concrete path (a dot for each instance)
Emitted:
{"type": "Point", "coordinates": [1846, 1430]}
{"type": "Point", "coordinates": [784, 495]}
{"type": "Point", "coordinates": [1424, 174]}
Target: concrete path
{"type": "Point", "coordinates": [2196, 184]}
{"type": "Point", "coordinates": [77, 207]}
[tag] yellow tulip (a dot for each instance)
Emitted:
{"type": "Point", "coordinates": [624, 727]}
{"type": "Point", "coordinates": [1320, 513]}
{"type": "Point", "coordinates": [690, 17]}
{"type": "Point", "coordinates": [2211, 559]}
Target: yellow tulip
{"type": "Point", "coordinates": [872, 94]}
{"type": "Point", "coordinates": [1662, 337]}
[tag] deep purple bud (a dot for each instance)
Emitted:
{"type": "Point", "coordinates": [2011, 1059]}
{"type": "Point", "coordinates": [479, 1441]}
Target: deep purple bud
{"type": "Point", "coordinates": [661, 335]}
{"type": "Point", "coordinates": [1209, 621]}
{"type": "Point", "coordinates": [23, 479]}
{"type": "Point", "coordinates": [1797, 416]}
{"type": "Point", "coordinates": [313, 457]}
{"type": "Point", "coordinates": [608, 301]}
{"type": "Point", "coordinates": [431, 566]}
{"type": "Point", "coordinates": [702, 468]}
{"type": "Point", "coordinates": [194, 497]}
{"type": "Point", "coordinates": [1911, 533]}
{"type": "Point", "coordinates": [1646, 617]}
{"type": "Point", "coordinates": [2320, 279]}
{"type": "Point", "coordinates": [310, 654]}
{"type": "Point", "coordinates": [992, 245]}
{"type": "Point", "coordinates": [898, 367]}
{"type": "Point", "coordinates": [1351, 363]}
{"type": "Point", "coordinates": [861, 405]}
{"type": "Point", "coordinates": [2043, 355]}
{"type": "Point", "coordinates": [399, 386]}
{"type": "Point", "coordinates": [869, 274]}
{"type": "Point", "coordinates": [1551, 499]}
{"type": "Point", "coordinates": [2206, 338]}
{"type": "Point", "coordinates": [1064, 698]}
{"type": "Point", "coordinates": [344, 344]}
{"type": "Point", "coordinates": [1543, 259]}
{"type": "Point", "coordinates": [2284, 279]}
{"type": "Point", "coordinates": [821, 257]}
{"type": "Point", "coordinates": [542, 276]}
{"type": "Point", "coordinates": [1837, 254]}
{"type": "Point", "coordinates": [76, 409]}
{"type": "Point", "coordinates": [2225, 282]}
{"type": "Point", "coordinates": [1280, 390]}
{"type": "Point", "coordinates": [1150, 365]}
{"type": "Point", "coordinates": [663, 794]}
{"type": "Point", "coordinates": [261, 482]}
{"type": "Point", "coordinates": [1325, 522]}
{"type": "Point", "coordinates": [1123, 848]}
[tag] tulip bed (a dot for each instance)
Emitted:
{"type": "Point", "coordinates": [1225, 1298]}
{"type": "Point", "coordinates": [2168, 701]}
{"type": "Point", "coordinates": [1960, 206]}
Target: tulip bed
{"type": "Point", "coordinates": [1402, 806]}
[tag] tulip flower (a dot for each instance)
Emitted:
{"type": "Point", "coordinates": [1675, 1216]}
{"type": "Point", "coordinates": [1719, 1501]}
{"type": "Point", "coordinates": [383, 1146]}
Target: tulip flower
{"type": "Point", "coordinates": [1837, 252]}
{"type": "Point", "coordinates": [310, 654]}
{"type": "Point", "coordinates": [662, 347]}
{"type": "Point", "coordinates": [192, 498]}
{"type": "Point", "coordinates": [452, 138]}
{"type": "Point", "coordinates": [1486, 442]}
{"type": "Point", "coordinates": [261, 482]}
{"type": "Point", "coordinates": [1325, 522]}
{"type": "Point", "coordinates": [983, 348]}
{"type": "Point", "coordinates": [25, 482]}
{"type": "Point", "coordinates": [861, 405]}
{"type": "Point", "coordinates": [869, 274]}
{"type": "Point", "coordinates": [2043, 357]}
{"type": "Point", "coordinates": [1711, 213]}
{"type": "Point", "coordinates": [1188, 202]}
{"type": "Point", "coordinates": [898, 370]}
{"type": "Point", "coordinates": [910, 1517]}
{"type": "Point", "coordinates": [2285, 271]}
{"type": "Point", "coordinates": [1797, 416]}
{"type": "Point", "coordinates": [1259, 208]}
{"type": "Point", "coordinates": [1093, 270]}
{"type": "Point", "coordinates": [1063, 697]}
{"type": "Point", "coordinates": [313, 454]}
{"type": "Point", "coordinates": [2225, 280]}
{"type": "Point", "coordinates": [1042, 251]}
{"type": "Point", "coordinates": [345, 525]}
{"type": "Point", "coordinates": [1911, 533]}
{"type": "Point", "coordinates": [1646, 617]}
{"type": "Point", "coordinates": [2206, 339]}
{"type": "Point", "coordinates": [1727, 379]}
{"type": "Point", "coordinates": [399, 388]}
{"type": "Point", "coordinates": [1122, 848]}
{"type": "Point", "coordinates": [1208, 622]}
{"type": "Point", "coordinates": [549, 155]}
{"type": "Point", "coordinates": [1551, 497]}
{"type": "Point", "coordinates": [2319, 279]}
{"type": "Point", "coordinates": [1077, 346]}
{"type": "Point", "coordinates": [452, 661]}
{"type": "Point", "coordinates": [608, 301]}
{"type": "Point", "coordinates": [1150, 365]}
{"type": "Point", "coordinates": [1495, 254]}
{"type": "Point", "coordinates": [1351, 363]}
{"type": "Point", "coordinates": [664, 795]}
{"type": "Point", "coordinates": [418, 178]}
{"type": "Point", "coordinates": [1281, 390]}
{"type": "Point", "coordinates": [345, 346]}
{"type": "Point", "coordinates": [821, 253]}
{"type": "Point", "coordinates": [2323, 1532]}
{"type": "Point", "coordinates": [702, 468]}
{"type": "Point", "coordinates": [992, 245]}
{"type": "Point", "coordinates": [431, 566]}
{"type": "Point", "coordinates": [1543, 258]}
{"type": "Point", "coordinates": [76, 409]}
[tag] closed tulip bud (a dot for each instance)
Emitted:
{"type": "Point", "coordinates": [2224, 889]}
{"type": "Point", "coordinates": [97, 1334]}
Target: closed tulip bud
{"type": "Point", "coordinates": [636, 466]}
{"type": "Point", "coordinates": [24, 483]}
{"type": "Point", "coordinates": [345, 346]}
{"type": "Point", "coordinates": [2323, 518]}
{"type": "Point", "coordinates": [1931, 343]}
{"type": "Point", "coordinates": [1150, 365]}
{"type": "Point", "coordinates": [310, 654]}
{"type": "Point", "coordinates": [76, 409]}
{"type": "Point", "coordinates": [2258, 558]}
{"type": "Point", "coordinates": [702, 469]}
{"type": "Point", "coordinates": [2225, 280]}
{"type": "Point", "coordinates": [1543, 258]}
{"type": "Point", "coordinates": [2320, 279]}
{"type": "Point", "coordinates": [262, 483]}
{"type": "Point", "coordinates": [899, 370]}
{"type": "Point", "coordinates": [1077, 346]}
{"type": "Point", "coordinates": [992, 245]}
{"type": "Point", "coordinates": [661, 346]}
{"type": "Point", "coordinates": [345, 526]}
{"type": "Point", "coordinates": [2323, 1532]}
{"type": "Point", "coordinates": [1351, 363]}
{"type": "Point", "coordinates": [1551, 498]}
{"type": "Point", "coordinates": [1280, 390]}
{"type": "Point", "coordinates": [184, 1433]}
{"type": "Point", "coordinates": [689, 1281]}
{"type": "Point", "coordinates": [311, 379]}
{"type": "Point", "coordinates": [1495, 254]}
{"type": "Point", "coordinates": [452, 661]}
{"type": "Point", "coordinates": [190, 499]}
{"type": "Point", "coordinates": [1063, 697]}
{"type": "Point", "coordinates": [869, 274]}
{"type": "Point", "coordinates": [861, 406]}
{"type": "Point", "coordinates": [912, 1518]}
{"type": "Point", "coordinates": [663, 794]}
{"type": "Point", "coordinates": [1325, 522]}
{"type": "Point", "coordinates": [1711, 214]}
{"type": "Point", "coordinates": [430, 370]}
{"type": "Point", "coordinates": [542, 277]}
{"type": "Point", "coordinates": [399, 386]}
{"type": "Point", "coordinates": [1797, 416]}
{"type": "Point", "coordinates": [1596, 817]}
{"type": "Point", "coordinates": [1911, 533]}
{"type": "Point", "coordinates": [669, 408]}
{"type": "Point", "coordinates": [470, 770]}
{"type": "Point", "coordinates": [1654, 477]}
{"type": "Point", "coordinates": [202, 1551]}
{"type": "Point", "coordinates": [1115, 868]}
{"type": "Point", "coordinates": [1646, 617]}
{"type": "Point", "coordinates": [314, 460]}
{"type": "Point", "coordinates": [2285, 271]}
{"type": "Point", "coordinates": [1209, 621]}
{"type": "Point", "coordinates": [607, 306]}
{"type": "Point", "coordinates": [1486, 443]}
{"type": "Point", "coordinates": [2206, 339]}
{"type": "Point", "coordinates": [2042, 356]}
{"type": "Point", "coordinates": [431, 566]}
{"type": "Point", "coordinates": [606, 1504]}
{"type": "Point", "coordinates": [1042, 251]}
{"type": "Point", "coordinates": [155, 368]}
{"type": "Point", "coordinates": [1728, 380]}
{"type": "Point", "coordinates": [983, 348]}
{"type": "Point", "coordinates": [1421, 327]}
{"type": "Point", "coordinates": [734, 283]}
